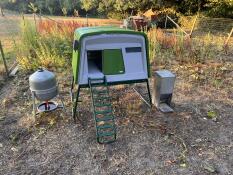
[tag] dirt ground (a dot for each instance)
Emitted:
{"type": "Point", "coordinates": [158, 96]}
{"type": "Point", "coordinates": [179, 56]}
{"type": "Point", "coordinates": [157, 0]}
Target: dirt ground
{"type": "Point", "coordinates": [196, 139]}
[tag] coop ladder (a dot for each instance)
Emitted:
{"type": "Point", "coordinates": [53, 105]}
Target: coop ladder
{"type": "Point", "coordinates": [102, 110]}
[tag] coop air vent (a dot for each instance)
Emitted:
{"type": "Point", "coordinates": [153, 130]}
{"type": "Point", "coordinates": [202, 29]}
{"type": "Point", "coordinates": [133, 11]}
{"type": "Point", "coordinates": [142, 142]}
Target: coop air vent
{"type": "Point", "coordinates": [133, 49]}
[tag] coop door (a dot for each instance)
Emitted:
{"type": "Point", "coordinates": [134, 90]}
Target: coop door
{"type": "Point", "coordinates": [113, 62]}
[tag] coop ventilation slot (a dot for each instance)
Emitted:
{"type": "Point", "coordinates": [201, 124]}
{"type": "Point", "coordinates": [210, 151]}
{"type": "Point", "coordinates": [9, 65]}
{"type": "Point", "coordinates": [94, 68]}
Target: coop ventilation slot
{"type": "Point", "coordinates": [133, 49]}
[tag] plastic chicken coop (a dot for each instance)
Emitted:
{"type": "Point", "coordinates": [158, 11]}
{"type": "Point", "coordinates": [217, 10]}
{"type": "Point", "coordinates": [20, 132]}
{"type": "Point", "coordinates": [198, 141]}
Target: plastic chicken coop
{"type": "Point", "coordinates": [104, 56]}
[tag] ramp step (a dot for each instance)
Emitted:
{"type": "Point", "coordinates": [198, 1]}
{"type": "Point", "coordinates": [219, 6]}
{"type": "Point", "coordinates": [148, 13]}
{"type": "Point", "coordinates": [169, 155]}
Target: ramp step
{"type": "Point", "coordinates": [103, 105]}
{"type": "Point", "coordinates": [105, 127]}
{"type": "Point", "coordinates": [104, 134]}
{"type": "Point", "coordinates": [103, 112]}
{"type": "Point", "coordinates": [105, 118]}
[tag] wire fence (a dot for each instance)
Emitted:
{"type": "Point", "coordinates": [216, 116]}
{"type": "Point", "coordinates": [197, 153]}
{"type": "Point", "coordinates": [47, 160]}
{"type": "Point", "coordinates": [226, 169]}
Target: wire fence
{"type": "Point", "coordinates": [217, 31]}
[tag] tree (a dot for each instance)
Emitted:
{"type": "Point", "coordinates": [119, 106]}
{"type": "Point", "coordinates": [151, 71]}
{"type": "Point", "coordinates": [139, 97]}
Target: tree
{"type": "Point", "coordinates": [88, 4]}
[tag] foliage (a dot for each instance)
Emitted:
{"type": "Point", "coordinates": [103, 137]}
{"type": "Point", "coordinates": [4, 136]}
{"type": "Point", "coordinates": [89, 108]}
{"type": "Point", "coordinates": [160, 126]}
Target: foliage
{"type": "Point", "coordinates": [120, 8]}
{"type": "Point", "coordinates": [221, 8]}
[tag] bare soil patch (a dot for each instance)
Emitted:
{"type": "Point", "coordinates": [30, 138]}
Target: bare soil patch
{"type": "Point", "coordinates": [187, 141]}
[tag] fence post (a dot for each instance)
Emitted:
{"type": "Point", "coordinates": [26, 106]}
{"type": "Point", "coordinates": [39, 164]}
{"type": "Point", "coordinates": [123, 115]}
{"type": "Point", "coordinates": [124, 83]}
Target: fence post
{"type": "Point", "coordinates": [166, 22]}
{"type": "Point", "coordinates": [4, 59]}
{"type": "Point", "coordinates": [87, 20]}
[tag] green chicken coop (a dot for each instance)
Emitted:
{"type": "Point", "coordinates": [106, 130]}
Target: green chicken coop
{"type": "Point", "coordinates": [104, 56]}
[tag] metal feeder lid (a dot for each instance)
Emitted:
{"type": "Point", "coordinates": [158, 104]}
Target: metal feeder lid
{"type": "Point", "coordinates": [42, 79]}
{"type": "Point", "coordinates": [165, 74]}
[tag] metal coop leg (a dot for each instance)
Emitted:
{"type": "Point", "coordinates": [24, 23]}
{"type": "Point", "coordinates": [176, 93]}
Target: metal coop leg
{"type": "Point", "coordinates": [148, 89]}
{"type": "Point", "coordinates": [76, 104]}
{"type": "Point", "coordinates": [71, 89]}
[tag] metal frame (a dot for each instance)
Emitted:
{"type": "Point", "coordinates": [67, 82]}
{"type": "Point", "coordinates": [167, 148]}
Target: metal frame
{"type": "Point", "coordinates": [34, 103]}
{"type": "Point", "coordinates": [76, 100]}
{"type": "Point", "coordinates": [58, 96]}
{"type": "Point", "coordinates": [149, 94]}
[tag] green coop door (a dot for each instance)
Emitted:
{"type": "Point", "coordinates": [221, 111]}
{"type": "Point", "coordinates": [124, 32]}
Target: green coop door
{"type": "Point", "coordinates": [113, 62]}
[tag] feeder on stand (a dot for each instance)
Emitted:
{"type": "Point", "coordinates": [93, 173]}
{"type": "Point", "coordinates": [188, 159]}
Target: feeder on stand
{"type": "Point", "coordinates": [43, 86]}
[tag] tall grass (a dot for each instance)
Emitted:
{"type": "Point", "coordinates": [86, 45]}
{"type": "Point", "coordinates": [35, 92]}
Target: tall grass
{"type": "Point", "coordinates": [60, 28]}
{"type": "Point", "coordinates": [45, 45]}
{"type": "Point", "coordinates": [167, 47]}
{"type": "Point", "coordinates": [49, 44]}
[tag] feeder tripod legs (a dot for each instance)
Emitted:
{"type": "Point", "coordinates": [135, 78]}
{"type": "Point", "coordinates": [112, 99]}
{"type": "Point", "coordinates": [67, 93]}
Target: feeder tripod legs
{"type": "Point", "coordinates": [34, 105]}
{"type": "Point", "coordinates": [76, 104]}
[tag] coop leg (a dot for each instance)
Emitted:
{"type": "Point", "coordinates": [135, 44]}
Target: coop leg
{"type": "Point", "coordinates": [148, 89]}
{"type": "Point", "coordinates": [71, 89]}
{"type": "Point", "coordinates": [76, 104]}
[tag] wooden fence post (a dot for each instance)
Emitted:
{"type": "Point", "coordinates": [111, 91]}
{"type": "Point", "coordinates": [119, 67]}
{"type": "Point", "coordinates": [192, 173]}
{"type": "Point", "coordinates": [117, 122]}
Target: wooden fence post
{"type": "Point", "coordinates": [4, 59]}
{"type": "Point", "coordinates": [166, 23]}
{"type": "Point", "coordinates": [87, 20]}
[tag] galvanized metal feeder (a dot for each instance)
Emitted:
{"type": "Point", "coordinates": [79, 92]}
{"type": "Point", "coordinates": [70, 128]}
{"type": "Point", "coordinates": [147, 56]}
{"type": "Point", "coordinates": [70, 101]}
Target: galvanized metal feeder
{"type": "Point", "coordinates": [43, 86]}
{"type": "Point", "coordinates": [163, 86]}
{"type": "Point", "coordinates": [104, 56]}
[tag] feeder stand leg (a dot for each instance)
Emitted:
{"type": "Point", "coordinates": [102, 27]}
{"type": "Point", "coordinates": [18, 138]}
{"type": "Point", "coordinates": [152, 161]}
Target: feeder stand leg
{"type": "Point", "coordinates": [148, 89]}
{"type": "Point", "coordinates": [62, 103]}
{"type": "Point", "coordinates": [75, 104]}
{"type": "Point", "coordinates": [34, 105]}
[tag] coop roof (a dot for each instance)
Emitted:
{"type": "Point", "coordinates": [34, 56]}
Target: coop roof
{"type": "Point", "coordinates": [83, 32]}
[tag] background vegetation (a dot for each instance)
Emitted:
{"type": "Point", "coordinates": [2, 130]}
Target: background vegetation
{"type": "Point", "coordinates": [119, 8]}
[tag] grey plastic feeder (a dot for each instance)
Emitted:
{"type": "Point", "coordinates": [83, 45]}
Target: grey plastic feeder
{"type": "Point", "coordinates": [43, 86]}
